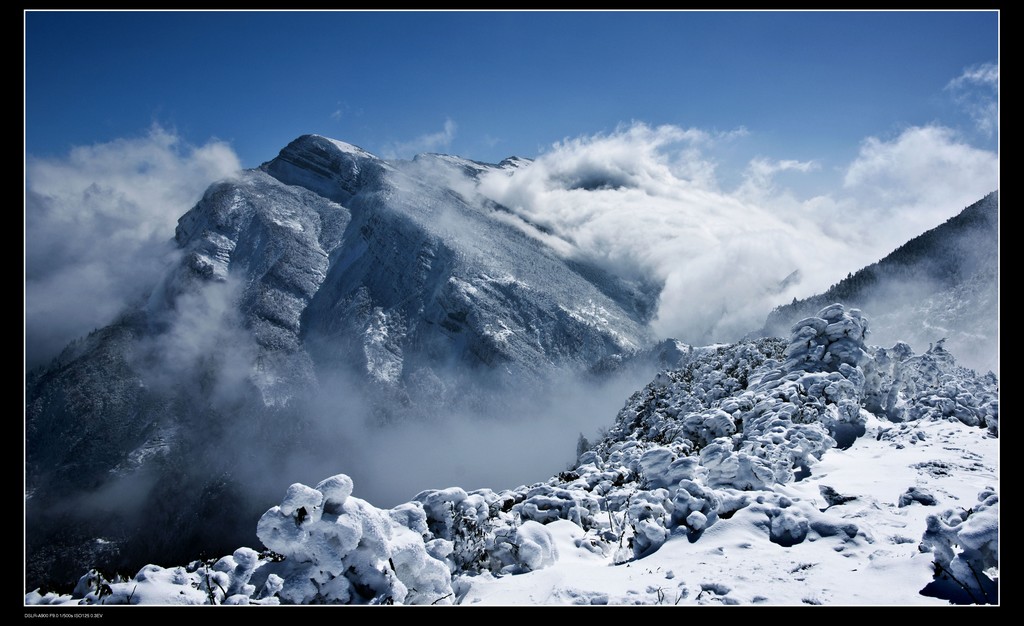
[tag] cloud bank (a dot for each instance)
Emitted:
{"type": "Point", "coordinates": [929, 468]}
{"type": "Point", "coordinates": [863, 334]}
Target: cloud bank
{"type": "Point", "coordinates": [646, 201]}
{"type": "Point", "coordinates": [98, 226]}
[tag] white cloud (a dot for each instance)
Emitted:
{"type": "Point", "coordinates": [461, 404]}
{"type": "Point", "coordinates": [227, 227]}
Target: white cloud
{"type": "Point", "coordinates": [430, 142]}
{"type": "Point", "coordinates": [343, 110]}
{"type": "Point", "coordinates": [917, 180]}
{"type": "Point", "coordinates": [97, 227]}
{"type": "Point", "coordinates": [645, 201]}
{"type": "Point", "coordinates": [729, 135]}
{"type": "Point", "coordinates": [976, 90]}
{"type": "Point", "coordinates": [981, 74]}
{"type": "Point", "coordinates": [768, 167]}
{"type": "Point", "coordinates": [759, 177]}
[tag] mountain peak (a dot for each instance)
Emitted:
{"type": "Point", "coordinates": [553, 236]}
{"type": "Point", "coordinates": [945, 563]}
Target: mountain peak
{"type": "Point", "coordinates": [340, 145]}
{"type": "Point", "coordinates": [514, 162]}
{"type": "Point", "coordinates": [334, 169]}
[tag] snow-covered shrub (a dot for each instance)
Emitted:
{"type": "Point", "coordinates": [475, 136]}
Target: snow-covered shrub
{"type": "Point", "coordinates": [462, 520]}
{"type": "Point", "coordinates": [412, 516]}
{"type": "Point", "coordinates": [650, 514]}
{"type": "Point", "coordinates": [781, 444]}
{"type": "Point", "coordinates": [884, 379]}
{"type": "Point", "coordinates": [695, 506]}
{"type": "Point", "coordinates": [905, 386]}
{"type": "Point", "coordinates": [662, 468]}
{"type": "Point", "coordinates": [239, 568]}
{"type": "Point", "coordinates": [788, 527]}
{"type": "Point", "coordinates": [917, 494]}
{"type": "Point", "coordinates": [225, 582]}
{"type": "Point", "coordinates": [484, 531]}
{"type": "Point", "coordinates": [536, 548]}
{"type": "Point", "coordinates": [990, 411]}
{"type": "Point", "coordinates": [830, 338]}
{"type": "Point", "coordinates": [706, 426]}
{"type": "Point", "coordinates": [545, 504]}
{"type": "Point", "coordinates": [792, 522]}
{"type": "Point", "coordinates": [91, 582]}
{"type": "Point", "coordinates": [965, 545]}
{"type": "Point", "coordinates": [340, 549]}
{"type": "Point", "coordinates": [729, 468]}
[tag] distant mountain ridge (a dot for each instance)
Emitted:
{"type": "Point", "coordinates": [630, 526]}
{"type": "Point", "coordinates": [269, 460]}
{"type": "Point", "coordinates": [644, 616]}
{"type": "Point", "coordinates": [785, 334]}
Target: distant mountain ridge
{"type": "Point", "coordinates": [940, 284]}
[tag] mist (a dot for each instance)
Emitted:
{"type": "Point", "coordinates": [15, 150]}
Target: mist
{"type": "Point", "coordinates": [922, 314]}
{"type": "Point", "coordinates": [646, 201]}
{"type": "Point", "coordinates": [490, 438]}
{"type": "Point", "coordinates": [953, 299]}
{"type": "Point", "coordinates": [221, 443]}
{"type": "Point", "coordinates": [99, 228]}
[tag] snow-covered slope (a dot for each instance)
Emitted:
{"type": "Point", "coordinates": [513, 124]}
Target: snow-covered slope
{"type": "Point", "coordinates": [817, 470]}
{"type": "Point", "coordinates": [943, 284]}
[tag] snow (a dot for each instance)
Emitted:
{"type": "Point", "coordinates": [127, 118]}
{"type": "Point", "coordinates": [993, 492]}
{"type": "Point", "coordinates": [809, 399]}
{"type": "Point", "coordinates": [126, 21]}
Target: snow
{"type": "Point", "coordinates": [721, 483]}
{"type": "Point", "coordinates": [737, 560]}
{"type": "Point", "coordinates": [346, 147]}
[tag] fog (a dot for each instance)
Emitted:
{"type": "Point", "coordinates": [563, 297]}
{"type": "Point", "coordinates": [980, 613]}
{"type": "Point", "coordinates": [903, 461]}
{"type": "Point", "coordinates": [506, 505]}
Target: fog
{"type": "Point", "coordinates": [497, 439]}
{"type": "Point", "coordinates": [99, 225]}
{"type": "Point", "coordinates": [645, 200]}
{"type": "Point", "coordinates": [922, 314]}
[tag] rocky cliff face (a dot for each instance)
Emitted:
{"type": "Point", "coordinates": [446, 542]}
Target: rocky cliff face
{"type": "Point", "coordinates": [325, 261]}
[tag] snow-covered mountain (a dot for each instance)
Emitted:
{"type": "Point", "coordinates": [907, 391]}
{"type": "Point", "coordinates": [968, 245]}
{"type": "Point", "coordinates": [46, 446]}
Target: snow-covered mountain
{"type": "Point", "coordinates": [330, 292]}
{"type": "Point", "coordinates": [817, 470]}
{"type": "Point", "coordinates": [325, 273]}
{"type": "Point", "coordinates": [942, 284]}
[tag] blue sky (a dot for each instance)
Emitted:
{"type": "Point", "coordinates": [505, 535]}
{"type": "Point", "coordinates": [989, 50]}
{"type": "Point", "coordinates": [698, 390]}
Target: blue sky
{"type": "Point", "coordinates": [805, 85]}
{"type": "Point", "coordinates": [828, 138]}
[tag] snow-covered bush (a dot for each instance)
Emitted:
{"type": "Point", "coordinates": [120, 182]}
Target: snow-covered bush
{"type": "Point", "coordinates": [788, 527]}
{"type": "Point", "coordinates": [222, 582]}
{"type": "Point", "coordinates": [663, 468]}
{"type": "Point", "coordinates": [825, 341]}
{"type": "Point", "coordinates": [340, 549]}
{"type": "Point", "coordinates": [545, 503]}
{"type": "Point", "coordinates": [965, 545]}
{"type": "Point", "coordinates": [487, 531]}
{"type": "Point", "coordinates": [729, 468]}
{"type": "Point", "coordinates": [238, 569]}
{"type": "Point", "coordinates": [917, 494]}
{"type": "Point", "coordinates": [461, 519]}
{"type": "Point", "coordinates": [695, 506]}
{"type": "Point", "coordinates": [536, 549]}
{"type": "Point", "coordinates": [650, 514]}
{"type": "Point", "coordinates": [792, 522]}
{"type": "Point", "coordinates": [904, 386]}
